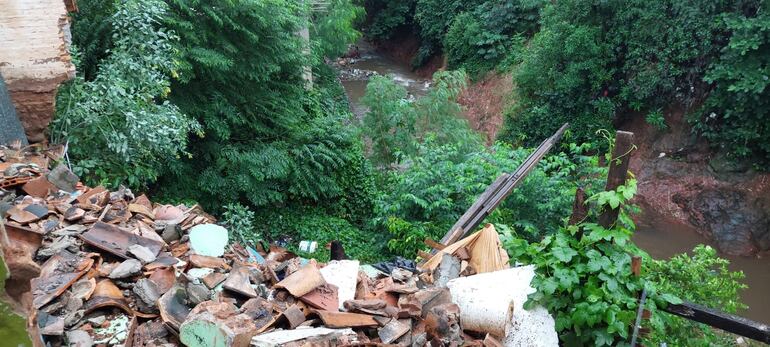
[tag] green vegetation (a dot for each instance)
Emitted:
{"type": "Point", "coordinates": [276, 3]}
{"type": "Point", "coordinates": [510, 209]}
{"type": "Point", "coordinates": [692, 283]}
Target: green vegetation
{"type": "Point", "coordinates": [397, 126]}
{"type": "Point", "coordinates": [584, 276]}
{"type": "Point", "coordinates": [118, 126]}
{"type": "Point", "coordinates": [596, 64]}
{"type": "Point", "coordinates": [702, 278]}
{"type": "Point", "coordinates": [208, 101]}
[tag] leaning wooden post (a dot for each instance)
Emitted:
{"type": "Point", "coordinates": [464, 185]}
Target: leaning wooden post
{"type": "Point", "coordinates": [621, 156]}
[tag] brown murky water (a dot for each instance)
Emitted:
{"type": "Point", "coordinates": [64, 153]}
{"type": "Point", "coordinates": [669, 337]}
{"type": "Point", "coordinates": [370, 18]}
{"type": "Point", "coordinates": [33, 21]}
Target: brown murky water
{"type": "Point", "coordinates": [663, 239]}
{"type": "Point", "coordinates": [369, 61]}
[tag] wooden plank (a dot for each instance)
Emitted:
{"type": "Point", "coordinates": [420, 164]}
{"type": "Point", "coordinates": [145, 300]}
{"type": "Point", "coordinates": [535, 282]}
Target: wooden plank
{"type": "Point", "coordinates": [456, 232]}
{"type": "Point", "coordinates": [725, 321]}
{"type": "Point", "coordinates": [433, 244]}
{"type": "Point", "coordinates": [499, 190]}
{"type": "Point", "coordinates": [621, 156]}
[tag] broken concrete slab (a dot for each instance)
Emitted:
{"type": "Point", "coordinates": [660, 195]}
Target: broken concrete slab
{"type": "Point", "coordinates": [127, 268]}
{"type": "Point", "coordinates": [63, 178]}
{"type": "Point", "coordinates": [142, 253]}
{"type": "Point", "coordinates": [147, 291]}
{"type": "Point", "coordinates": [79, 338]}
{"type": "Point", "coordinates": [208, 239]}
{"type": "Point", "coordinates": [50, 325]}
{"type": "Point", "coordinates": [197, 293]}
{"type": "Point", "coordinates": [344, 275]}
{"type": "Point", "coordinates": [447, 270]}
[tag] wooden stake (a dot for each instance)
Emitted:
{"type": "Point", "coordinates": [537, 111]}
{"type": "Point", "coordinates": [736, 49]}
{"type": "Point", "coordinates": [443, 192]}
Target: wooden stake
{"type": "Point", "coordinates": [579, 208]}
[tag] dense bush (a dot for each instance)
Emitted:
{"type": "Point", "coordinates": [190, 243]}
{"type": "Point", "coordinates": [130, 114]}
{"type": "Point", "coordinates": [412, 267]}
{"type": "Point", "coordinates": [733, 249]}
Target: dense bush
{"type": "Point", "coordinates": [702, 278]}
{"type": "Point", "coordinates": [593, 62]}
{"type": "Point", "coordinates": [292, 225]}
{"type": "Point", "coordinates": [478, 40]}
{"type": "Point", "coordinates": [119, 128]}
{"type": "Point", "coordinates": [584, 277]}
{"type": "Point", "coordinates": [386, 18]}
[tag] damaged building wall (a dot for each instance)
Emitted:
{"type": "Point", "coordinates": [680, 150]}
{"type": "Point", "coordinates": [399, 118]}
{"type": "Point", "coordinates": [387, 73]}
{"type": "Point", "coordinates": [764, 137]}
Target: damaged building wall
{"type": "Point", "coordinates": [34, 59]}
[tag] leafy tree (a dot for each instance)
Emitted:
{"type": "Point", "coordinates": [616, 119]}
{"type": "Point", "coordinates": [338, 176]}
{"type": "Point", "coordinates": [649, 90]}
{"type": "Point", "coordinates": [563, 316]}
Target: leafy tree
{"type": "Point", "coordinates": [395, 123]}
{"type": "Point", "coordinates": [333, 27]}
{"type": "Point", "coordinates": [118, 127]}
{"type": "Point", "coordinates": [268, 139]}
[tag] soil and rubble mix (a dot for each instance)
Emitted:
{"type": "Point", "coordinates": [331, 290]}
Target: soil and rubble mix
{"type": "Point", "coordinates": [115, 269]}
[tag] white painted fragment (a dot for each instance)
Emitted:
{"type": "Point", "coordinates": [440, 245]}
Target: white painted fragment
{"type": "Point", "coordinates": [281, 337]}
{"type": "Point", "coordinates": [208, 239]}
{"type": "Point", "coordinates": [493, 302]}
{"type": "Point", "coordinates": [344, 275]}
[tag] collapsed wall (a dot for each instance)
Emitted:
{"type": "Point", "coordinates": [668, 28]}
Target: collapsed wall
{"type": "Point", "coordinates": [35, 59]}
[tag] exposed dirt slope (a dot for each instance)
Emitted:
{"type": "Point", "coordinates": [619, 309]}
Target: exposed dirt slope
{"type": "Point", "coordinates": [484, 102]}
{"type": "Point", "coordinates": [683, 181]}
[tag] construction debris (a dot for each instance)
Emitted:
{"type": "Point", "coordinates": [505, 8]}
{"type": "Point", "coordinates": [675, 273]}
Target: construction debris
{"type": "Point", "coordinates": [117, 269]}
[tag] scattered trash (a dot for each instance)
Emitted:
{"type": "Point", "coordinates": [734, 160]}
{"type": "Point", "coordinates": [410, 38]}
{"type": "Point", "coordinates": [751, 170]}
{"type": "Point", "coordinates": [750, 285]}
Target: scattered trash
{"type": "Point", "coordinates": [308, 246]}
{"type": "Point", "coordinates": [116, 269]}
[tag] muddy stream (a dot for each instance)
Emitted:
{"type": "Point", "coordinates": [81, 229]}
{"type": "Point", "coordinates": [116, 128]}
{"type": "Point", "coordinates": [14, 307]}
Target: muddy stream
{"type": "Point", "coordinates": [660, 238]}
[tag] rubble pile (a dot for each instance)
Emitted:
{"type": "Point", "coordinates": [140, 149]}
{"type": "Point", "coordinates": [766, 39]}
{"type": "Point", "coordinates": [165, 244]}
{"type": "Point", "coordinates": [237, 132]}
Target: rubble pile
{"type": "Point", "coordinates": [119, 270]}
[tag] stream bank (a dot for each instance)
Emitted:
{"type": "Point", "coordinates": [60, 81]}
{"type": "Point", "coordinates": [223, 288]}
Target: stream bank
{"type": "Point", "coordinates": [665, 228]}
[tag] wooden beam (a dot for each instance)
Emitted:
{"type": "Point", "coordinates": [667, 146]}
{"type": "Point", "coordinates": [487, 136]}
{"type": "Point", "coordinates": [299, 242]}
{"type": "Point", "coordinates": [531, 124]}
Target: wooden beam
{"type": "Point", "coordinates": [725, 321]}
{"type": "Point", "coordinates": [433, 244]}
{"type": "Point", "coordinates": [621, 156]}
{"type": "Point", "coordinates": [499, 190]}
